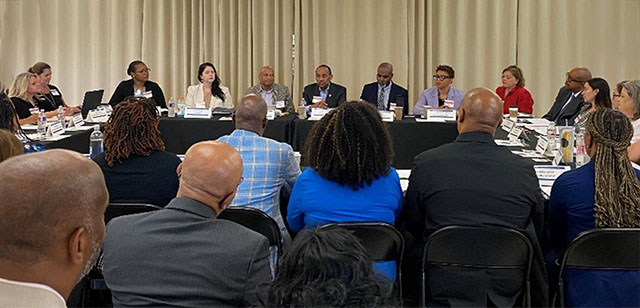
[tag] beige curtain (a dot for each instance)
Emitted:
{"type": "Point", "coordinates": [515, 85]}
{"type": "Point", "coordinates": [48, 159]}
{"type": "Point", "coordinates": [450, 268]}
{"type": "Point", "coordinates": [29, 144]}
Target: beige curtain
{"type": "Point", "coordinates": [89, 43]}
{"type": "Point", "coordinates": [554, 36]}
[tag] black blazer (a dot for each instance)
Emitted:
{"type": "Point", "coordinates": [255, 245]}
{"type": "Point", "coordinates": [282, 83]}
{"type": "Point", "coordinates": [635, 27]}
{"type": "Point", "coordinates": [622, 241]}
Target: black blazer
{"type": "Point", "coordinates": [568, 114]}
{"type": "Point", "coordinates": [474, 182]}
{"type": "Point", "coordinates": [370, 94]}
{"type": "Point", "coordinates": [125, 89]}
{"type": "Point", "coordinates": [337, 94]}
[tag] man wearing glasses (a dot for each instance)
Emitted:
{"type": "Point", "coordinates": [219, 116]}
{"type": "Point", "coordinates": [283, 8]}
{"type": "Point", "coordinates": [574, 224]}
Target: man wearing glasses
{"type": "Point", "coordinates": [443, 94]}
{"type": "Point", "coordinates": [569, 101]}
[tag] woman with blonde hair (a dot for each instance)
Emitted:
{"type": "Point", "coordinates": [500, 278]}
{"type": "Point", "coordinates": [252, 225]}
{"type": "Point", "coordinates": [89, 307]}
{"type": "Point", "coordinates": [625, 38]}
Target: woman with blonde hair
{"type": "Point", "coordinates": [601, 194]}
{"type": "Point", "coordinates": [23, 93]}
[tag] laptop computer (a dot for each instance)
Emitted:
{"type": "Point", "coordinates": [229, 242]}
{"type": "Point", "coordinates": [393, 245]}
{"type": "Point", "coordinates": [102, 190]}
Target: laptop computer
{"type": "Point", "coordinates": [91, 101]}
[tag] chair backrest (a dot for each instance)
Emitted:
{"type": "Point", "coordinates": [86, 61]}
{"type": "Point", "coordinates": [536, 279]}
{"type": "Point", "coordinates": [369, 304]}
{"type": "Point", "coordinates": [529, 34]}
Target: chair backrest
{"type": "Point", "coordinates": [382, 241]}
{"type": "Point", "coordinates": [120, 209]}
{"type": "Point", "coordinates": [479, 247]}
{"type": "Point", "coordinates": [255, 220]}
{"type": "Point", "coordinates": [607, 248]}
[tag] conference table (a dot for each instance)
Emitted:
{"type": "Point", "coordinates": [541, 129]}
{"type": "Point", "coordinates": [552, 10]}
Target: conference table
{"type": "Point", "coordinates": [409, 136]}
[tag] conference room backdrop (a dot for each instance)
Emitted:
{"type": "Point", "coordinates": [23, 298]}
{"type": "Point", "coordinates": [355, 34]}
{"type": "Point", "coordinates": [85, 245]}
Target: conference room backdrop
{"type": "Point", "coordinates": [90, 42]}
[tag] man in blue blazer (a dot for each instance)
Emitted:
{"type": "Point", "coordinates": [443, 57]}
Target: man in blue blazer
{"type": "Point", "coordinates": [384, 91]}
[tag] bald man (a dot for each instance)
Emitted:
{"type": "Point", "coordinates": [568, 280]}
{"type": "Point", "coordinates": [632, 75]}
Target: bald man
{"type": "Point", "coordinates": [50, 235]}
{"type": "Point", "coordinates": [474, 182]}
{"type": "Point", "coordinates": [183, 255]}
{"type": "Point", "coordinates": [569, 102]}
{"type": "Point", "coordinates": [269, 166]}
{"type": "Point", "coordinates": [272, 93]}
{"type": "Point", "coordinates": [383, 92]}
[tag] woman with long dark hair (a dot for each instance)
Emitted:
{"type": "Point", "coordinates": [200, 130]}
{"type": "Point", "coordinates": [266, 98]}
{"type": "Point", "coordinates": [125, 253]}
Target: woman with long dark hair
{"type": "Point", "coordinates": [596, 95]}
{"type": "Point", "coordinates": [208, 93]}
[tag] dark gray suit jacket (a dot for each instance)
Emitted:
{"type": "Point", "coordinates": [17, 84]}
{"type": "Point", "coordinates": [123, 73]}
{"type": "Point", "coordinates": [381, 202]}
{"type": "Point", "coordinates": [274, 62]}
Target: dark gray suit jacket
{"type": "Point", "coordinates": [184, 256]}
{"type": "Point", "coordinates": [474, 182]}
{"type": "Point", "coordinates": [566, 115]}
{"type": "Point", "coordinates": [337, 94]}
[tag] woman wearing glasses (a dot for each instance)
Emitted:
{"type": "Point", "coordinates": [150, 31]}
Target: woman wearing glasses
{"type": "Point", "coordinates": [512, 91]}
{"type": "Point", "coordinates": [629, 104]}
{"type": "Point", "coordinates": [139, 86]}
{"type": "Point", "coordinates": [436, 97]}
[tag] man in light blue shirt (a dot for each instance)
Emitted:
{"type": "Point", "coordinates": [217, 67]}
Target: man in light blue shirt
{"type": "Point", "coordinates": [269, 166]}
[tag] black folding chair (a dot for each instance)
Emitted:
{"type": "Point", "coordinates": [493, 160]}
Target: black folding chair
{"type": "Point", "coordinates": [120, 209]}
{"type": "Point", "coordinates": [477, 247]}
{"type": "Point", "coordinates": [603, 249]}
{"type": "Point", "coordinates": [92, 291]}
{"type": "Point", "coordinates": [257, 221]}
{"type": "Point", "coordinates": [382, 241]}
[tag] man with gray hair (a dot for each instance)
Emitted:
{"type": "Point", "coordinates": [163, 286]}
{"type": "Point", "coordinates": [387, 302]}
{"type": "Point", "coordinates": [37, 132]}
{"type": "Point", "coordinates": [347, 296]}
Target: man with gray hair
{"type": "Point", "coordinates": [269, 166]}
{"type": "Point", "coordinates": [51, 226]}
{"type": "Point", "coordinates": [183, 255]}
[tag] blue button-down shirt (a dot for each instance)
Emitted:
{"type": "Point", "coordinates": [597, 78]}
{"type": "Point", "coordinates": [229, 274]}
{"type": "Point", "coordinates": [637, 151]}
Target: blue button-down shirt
{"type": "Point", "coordinates": [268, 166]}
{"type": "Point", "coordinates": [324, 93]}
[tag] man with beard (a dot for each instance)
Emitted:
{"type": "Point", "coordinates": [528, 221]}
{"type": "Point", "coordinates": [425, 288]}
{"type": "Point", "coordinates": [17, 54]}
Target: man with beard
{"type": "Point", "coordinates": [51, 226]}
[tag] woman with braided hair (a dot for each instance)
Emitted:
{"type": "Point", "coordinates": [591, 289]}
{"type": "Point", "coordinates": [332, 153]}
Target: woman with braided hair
{"type": "Point", "coordinates": [350, 177]}
{"type": "Point", "coordinates": [136, 168]}
{"type": "Point", "coordinates": [604, 193]}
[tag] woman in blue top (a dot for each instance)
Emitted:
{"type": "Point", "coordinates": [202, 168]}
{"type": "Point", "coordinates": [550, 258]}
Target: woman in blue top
{"type": "Point", "coordinates": [350, 178]}
{"type": "Point", "coordinates": [601, 194]}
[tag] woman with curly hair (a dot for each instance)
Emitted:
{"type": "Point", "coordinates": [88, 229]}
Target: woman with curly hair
{"type": "Point", "coordinates": [136, 168]}
{"type": "Point", "coordinates": [328, 268]}
{"type": "Point", "coordinates": [604, 193]}
{"type": "Point", "coordinates": [350, 177]}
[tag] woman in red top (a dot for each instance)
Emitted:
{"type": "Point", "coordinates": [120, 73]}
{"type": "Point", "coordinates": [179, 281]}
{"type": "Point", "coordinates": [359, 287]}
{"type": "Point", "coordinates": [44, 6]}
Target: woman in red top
{"type": "Point", "coordinates": [512, 91]}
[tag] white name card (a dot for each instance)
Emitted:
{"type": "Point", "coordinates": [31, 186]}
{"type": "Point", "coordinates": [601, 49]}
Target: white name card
{"type": "Point", "coordinates": [557, 158]}
{"type": "Point", "coordinates": [515, 133]}
{"type": "Point", "coordinates": [543, 143]}
{"type": "Point", "coordinates": [387, 116]}
{"type": "Point", "coordinates": [76, 120]}
{"type": "Point", "coordinates": [449, 103]}
{"type": "Point", "coordinates": [441, 114]}
{"type": "Point", "coordinates": [316, 99]}
{"type": "Point", "coordinates": [197, 113]}
{"type": "Point", "coordinates": [319, 112]}
{"type": "Point", "coordinates": [508, 125]}
{"type": "Point", "coordinates": [55, 129]}
{"type": "Point", "coordinates": [97, 116]}
{"type": "Point", "coordinates": [280, 104]}
{"type": "Point", "coordinates": [271, 115]}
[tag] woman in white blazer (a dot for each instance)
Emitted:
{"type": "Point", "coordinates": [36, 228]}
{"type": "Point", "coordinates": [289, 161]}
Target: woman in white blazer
{"type": "Point", "coordinates": [209, 92]}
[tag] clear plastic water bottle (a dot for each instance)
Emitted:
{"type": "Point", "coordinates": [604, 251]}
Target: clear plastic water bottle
{"type": "Point", "coordinates": [172, 108]}
{"type": "Point", "coordinates": [181, 107]}
{"type": "Point", "coordinates": [95, 141]}
{"type": "Point", "coordinates": [581, 152]}
{"type": "Point", "coordinates": [61, 116]}
{"type": "Point", "coordinates": [551, 137]}
{"type": "Point", "coordinates": [42, 123]}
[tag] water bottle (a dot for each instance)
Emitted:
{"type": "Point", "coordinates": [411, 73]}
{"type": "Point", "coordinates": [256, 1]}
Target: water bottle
{"type": "Point", "coordinates": [95, 141]}
{"type": "Point", "coordinates": [551, 137]}
{"type": "Point", "coordinates": [581, 153]}
{"type": "Point", "coordinates": [172, 110]}
{"type": "Point", "coordinates": [181, 107]}
{"type": "Point", "coordinates": [61, 116]}
{"type": "Point", "coordinates": [42, 123]}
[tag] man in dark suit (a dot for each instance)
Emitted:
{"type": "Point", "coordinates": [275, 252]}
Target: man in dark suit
{"type": "Point", "coordinates": [324, 93]}
{"type": "Point", "coordinates": [474, 182]}
{"type": "Point", "coordinates": [569, 103]}
{"type": "Point", "coordinates": [183, 255]}
{"type": "Point", "coordinates": [384, 91]}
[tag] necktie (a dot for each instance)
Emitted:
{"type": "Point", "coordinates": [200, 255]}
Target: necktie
{"type": "Point", "coordinates": [381, 104]}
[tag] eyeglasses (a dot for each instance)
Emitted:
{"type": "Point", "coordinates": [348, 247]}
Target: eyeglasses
{"type": "Point", "coordinates": [617, 95]}
{"type": "Point", "coordinates": [570, 79]}
{"type": "Point", "coordinates": [441, 77]}
{"type": "Point", "coordinates": [143, 71]}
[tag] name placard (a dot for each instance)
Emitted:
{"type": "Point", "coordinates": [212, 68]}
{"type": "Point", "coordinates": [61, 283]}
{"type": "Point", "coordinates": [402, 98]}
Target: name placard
{"type": "Point", "coordinates": [441, 114]}
{"type": "Point", "coordinates": [97, 116]}
{"type": "Point", "coordinates": [55, 129]}
{"type": "Point", "coordinates": [515, 133]}
{"type": "Point", "coordinates": [557, 158]}
{"type": "Point", "coordinates": [197, 113]}
{"type": "Point", "coordinates": [271, 115]}
{"type": "Point", "coordinates": [387, 116]}
{"type": "Point", "coordinates": [542, 145]}
{"type": "Point", "coordinates": [76, 120]}
{"type": "Point", "coordinates": [319, 112]}
{"type": "Point", "coordinates": [508, 125]}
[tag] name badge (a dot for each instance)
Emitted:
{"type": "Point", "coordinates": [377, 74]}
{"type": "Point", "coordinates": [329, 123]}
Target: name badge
{"type": "Point", "coordinates": [197, 113]}
{"type": "Point", "coordinates": [34, 110]}
{"type": "Point", "coordinates": [55, 129]}
{"type": "Point", "coordinates": [147, 94]}
{"type": "Point", "coordinates": [541, 146]}
{"type": "Point", "coordinates": [449, 103]}
{"type": "Point", "coordinates": [441, 114]}
{"type": "Point", "coordinates": [54, 92]}
{"type": "Point", "coordinates": [280, 104]}
{"type": "Point", "coordinates": [316, 99]}
{"type": "Point", "coordinates": [515, 133]}
{"type": "Point", "coordinates": [508, 125]}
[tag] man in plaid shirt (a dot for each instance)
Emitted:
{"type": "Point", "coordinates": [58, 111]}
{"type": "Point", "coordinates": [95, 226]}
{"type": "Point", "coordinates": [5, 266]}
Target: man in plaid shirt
{"type": "Point", "coordinates": [269, 165]}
